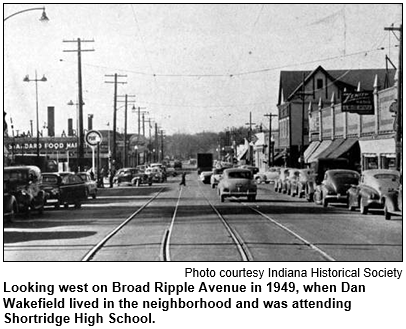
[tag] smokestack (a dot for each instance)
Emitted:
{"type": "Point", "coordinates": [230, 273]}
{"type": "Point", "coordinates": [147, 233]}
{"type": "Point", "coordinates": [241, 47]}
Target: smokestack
{"type": "Point", "coordinates": [70, 127]}
{"type": "Point", "coordinates": [51, 121]}
{"type": "Point", "coordinates": [90, 122]}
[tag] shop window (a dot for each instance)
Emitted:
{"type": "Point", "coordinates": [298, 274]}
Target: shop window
{"type": "Point", "coordinates": [370, 163]}
{"type": "Point", "coordinates": [388, 163]}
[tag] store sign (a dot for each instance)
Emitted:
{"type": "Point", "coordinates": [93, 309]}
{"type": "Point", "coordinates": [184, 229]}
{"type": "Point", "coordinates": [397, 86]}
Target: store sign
{"type": "Point", "coordinates": [47, 146]}
{"type": "Point", "coordinates": [361, 102]}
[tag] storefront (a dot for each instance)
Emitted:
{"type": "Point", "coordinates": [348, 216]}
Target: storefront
{"type": "Point", "coordinates": [378, 154]}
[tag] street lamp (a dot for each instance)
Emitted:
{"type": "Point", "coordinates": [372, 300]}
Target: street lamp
{"type": "Point", "coordinates": [43, 18]}
{"type": "Point", "coordinates": [43, 79]}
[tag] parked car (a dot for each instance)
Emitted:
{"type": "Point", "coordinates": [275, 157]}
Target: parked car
{"type": "Point", "coordinates": [205, 176]}
{"type": "Point", "coordinates": [281, 179]}
{"type": "Point", "coordinates": [393, 204]}
{"type": "Point", "coordinates": [319, 167]}
{"type": "Point", "coordinates": [237, 182]}
{"type": "Point", "coordinates": [334, 186]}
{"type": "Point", "coordinates": [216, 176]}
{"type": "Point", "coordinates": [301, 186]}
{"type": "Point", "coordinates": [373, 185]}
{"type": "Point", "coordinates": [156, 174]}
{"type": "Point", "coordinates": [269, 176]}
{"type": "Point", "coordinates": [22, 191]}
{"type": "Point", "coordinates": [64, 189]}
{"type": "Point", "coordinates": [290, 182]}
{"type": "Point", "coordinates": [141, 177]}
{"type": "Point", "coordinates": [127, 175]}
{"type": "Point", "coordinates": [91, 184]}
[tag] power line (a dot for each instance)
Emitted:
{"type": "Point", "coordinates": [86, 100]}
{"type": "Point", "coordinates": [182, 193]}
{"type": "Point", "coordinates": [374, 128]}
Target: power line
{"type": "Point", "coordinates": [239, 74]}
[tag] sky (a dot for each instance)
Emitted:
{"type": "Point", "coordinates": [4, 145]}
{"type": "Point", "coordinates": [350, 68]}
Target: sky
{"type": "Point", "coordinates": [192, 67]}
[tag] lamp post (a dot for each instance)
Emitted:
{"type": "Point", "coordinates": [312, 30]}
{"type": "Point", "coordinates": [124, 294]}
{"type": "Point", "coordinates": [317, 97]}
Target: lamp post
{"type": "Point", "coordinates": [43, 79]}
{"type": "Point", "coordinates": [43, 17]}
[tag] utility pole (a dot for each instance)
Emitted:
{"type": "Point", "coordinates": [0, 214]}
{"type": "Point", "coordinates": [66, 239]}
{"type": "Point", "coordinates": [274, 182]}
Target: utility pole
{"type": "Point", "coordinates": [139, 119]}
{"type": "Point", "coordinates": [302, 95]}
{"type": "Point", "coordinates": [80, 96]}
{"type": "Point", "coordinates": [250, 124]}
{"type": "Point", "coordinates": [150, 139]}
{"type": "Point", "coordinates": [162, 145]}
{"type": "Point", "coordinates": [156, 143]}
{"type": "Point", "coordinates": [116, 82]}
{"type": "Point", "coordinates": [399, 114]}
{"type": "Point", "coordinates": [270, 144]}
{"type": "Point", "coordinates": [125, 127]}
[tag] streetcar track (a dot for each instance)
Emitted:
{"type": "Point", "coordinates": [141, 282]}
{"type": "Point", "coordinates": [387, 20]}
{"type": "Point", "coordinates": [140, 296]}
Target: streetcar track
{"type": "Point", "coordinates": [102, 242]}
{"type": "Point", "coordinates": [296, 235]}
{"type": "Point", "coordinates": [164, 254]}
{"type": "Point", "coordinates": [238, 241]}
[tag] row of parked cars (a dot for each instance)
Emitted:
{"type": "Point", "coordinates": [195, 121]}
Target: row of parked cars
{"type": "Point", "coordinates": [327, 183]}
{"type": "Point", "coordinates": [26, 189]}
{"type": "Point", "coordinates": [154, 173]}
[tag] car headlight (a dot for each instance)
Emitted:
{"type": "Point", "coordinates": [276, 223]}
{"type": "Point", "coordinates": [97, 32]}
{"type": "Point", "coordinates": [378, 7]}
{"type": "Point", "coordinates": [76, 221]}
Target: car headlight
{"type": "Point", "coordinates": [54, 191]}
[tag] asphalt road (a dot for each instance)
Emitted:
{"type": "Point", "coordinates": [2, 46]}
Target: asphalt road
{"type": "Point", "coordinates": [191, 224]}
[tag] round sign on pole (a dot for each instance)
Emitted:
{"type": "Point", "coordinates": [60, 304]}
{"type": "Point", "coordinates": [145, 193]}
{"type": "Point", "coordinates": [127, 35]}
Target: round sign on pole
{"type": "Point", "coordinates": [93, 138]}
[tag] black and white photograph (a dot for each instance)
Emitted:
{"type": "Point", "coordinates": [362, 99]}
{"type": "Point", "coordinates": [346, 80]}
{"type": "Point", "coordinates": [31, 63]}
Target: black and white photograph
{"type": "Point", "coordinates": [202, 133]}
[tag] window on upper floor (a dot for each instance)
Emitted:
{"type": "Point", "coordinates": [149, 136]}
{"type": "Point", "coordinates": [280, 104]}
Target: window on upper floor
{"type": "Point", "coordinates": [319, 84]}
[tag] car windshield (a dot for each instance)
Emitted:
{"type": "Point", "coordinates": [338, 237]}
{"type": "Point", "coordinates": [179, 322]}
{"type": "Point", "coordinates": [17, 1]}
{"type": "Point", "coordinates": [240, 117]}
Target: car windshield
{"type": "Point", "coordinates": [50, 179]}
{"type": "Point", "coordinates": [346, 177]}
{"type": "Point", "coordinates": [388, 177]}
{"type": "Point", "coordinates": [16, 176]}
{"type": "Point", "coordinates": [240, 174]}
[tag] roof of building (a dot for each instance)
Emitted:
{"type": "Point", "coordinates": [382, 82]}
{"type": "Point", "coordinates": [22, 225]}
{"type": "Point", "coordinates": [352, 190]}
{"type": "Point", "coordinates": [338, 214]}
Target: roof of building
{"type": "Point", "coordinates": [291, 81]}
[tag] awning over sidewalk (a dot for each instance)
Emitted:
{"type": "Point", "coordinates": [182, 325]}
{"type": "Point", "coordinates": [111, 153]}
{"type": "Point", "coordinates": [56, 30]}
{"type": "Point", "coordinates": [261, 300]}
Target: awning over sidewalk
{"type": "Point", "coordinates": [323, 146]}
{"type": "Point", "coordinates": [344, 147]}
{"type": "Point", "coordinates": [377, 147]}
{"type": "Point", "coordinates": [333, 146]}
{"type": "Point", "coordinates": [310, 149]}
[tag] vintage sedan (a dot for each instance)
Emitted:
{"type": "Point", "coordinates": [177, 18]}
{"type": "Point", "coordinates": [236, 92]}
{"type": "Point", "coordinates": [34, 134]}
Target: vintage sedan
{"type": "Point", "coordinates": [205, 176]}
{"type": "Point", "coordinates": [280, 182]}
{"type": "Point", "coordinates": [64, 189]}
{"type": "Point", "coordinates": [90, 184]}
{"type": "Point", "coordinates": [374, 184]}
{"type": "Point", "coordinates": [22, 191]}
{"type": "Point", "coordinates": [157, 175]}
{"type": "Point", "coordinates": [302, 187]}
{"type": "Point", "coordinates": [237, 182]}
{"type": "Point", "coordinates": [393, 204]}
{"type": "Point", "coordinates": [269, 176]}
{"type": "Point", "coordinates": [216, 176]}
{"type": "Point", "coordinates": [334, 186]}
{"type": "Point", "coordinates": [290, 182]}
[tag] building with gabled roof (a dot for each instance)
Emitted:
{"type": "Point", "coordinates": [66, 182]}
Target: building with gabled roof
{"type": "Point", "coordinates": [300, 91]}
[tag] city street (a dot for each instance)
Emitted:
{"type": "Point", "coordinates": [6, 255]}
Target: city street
{"type": "Point", "coordinates": [166, 222]}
